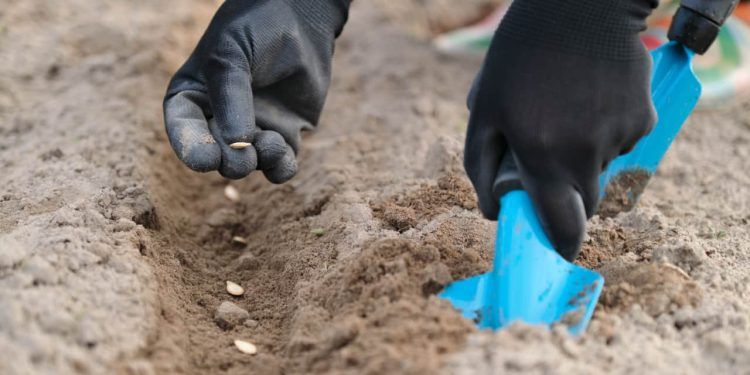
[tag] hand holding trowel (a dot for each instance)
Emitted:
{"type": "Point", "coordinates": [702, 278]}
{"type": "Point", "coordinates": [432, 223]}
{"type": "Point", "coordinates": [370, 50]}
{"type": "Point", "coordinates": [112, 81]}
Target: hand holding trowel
{"type": "Point", "coordinates": [529, 280]}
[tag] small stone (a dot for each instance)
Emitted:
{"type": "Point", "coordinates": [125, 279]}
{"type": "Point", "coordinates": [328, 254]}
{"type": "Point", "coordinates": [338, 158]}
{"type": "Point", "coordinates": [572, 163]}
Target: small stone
{"type": "Point", "coordinates": [229, 315]}
{"type": "Point", "coordinates": [52, 154]}
{"type": "Point", "coordinates": [245, 347]}
{"type": "Point", "coordinates": [251, 323]}
{"type": "Point", "coordinates": [13, 252]}
{"type": "Point", "coordinates": [41, 270]}
{"type": "Point", "coordinates": [424, 106]}
{"type": "Point", "coordinates": [231, 193]}
{"type": "Point", "coordinates": [235, 289]}
{"type": "Point", "coordinates": [124, 225]}
{"type": "Point", "coordinates": [222, 217]}
{"type": "Point", "coordinates": [247, 262]}
{"type": "Point", "coordinates": [343, 334]}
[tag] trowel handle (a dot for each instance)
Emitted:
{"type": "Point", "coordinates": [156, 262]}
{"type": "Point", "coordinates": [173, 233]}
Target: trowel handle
{"type": "Point", "coordinates": [508, 181]}
{"type": "Point", "coordinates": [508, 178]}
{"type": "Point", "coordinates": [697, 22]}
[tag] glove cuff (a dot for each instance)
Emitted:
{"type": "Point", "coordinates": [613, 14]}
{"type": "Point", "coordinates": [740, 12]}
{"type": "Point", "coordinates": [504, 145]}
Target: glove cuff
{"type": "Point", "coordinates": [597, 28]}
{"type": "Point", "coordinates": [697, 23]}
{"type": "Point", "coordinates": [326, 16]}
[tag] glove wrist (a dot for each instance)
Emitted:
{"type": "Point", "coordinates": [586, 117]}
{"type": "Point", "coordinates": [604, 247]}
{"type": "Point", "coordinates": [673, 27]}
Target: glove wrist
{"type": "Point", "coordinates": [597, 28]}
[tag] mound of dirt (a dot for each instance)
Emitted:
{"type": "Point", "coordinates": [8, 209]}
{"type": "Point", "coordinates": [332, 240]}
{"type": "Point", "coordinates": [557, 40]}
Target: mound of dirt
{"type": "Point", "coordinates": [659, 288]}
{"type": "Point", "coordinates": [405, 212]}
{"type": "Point", "coordinates": [376, 314]}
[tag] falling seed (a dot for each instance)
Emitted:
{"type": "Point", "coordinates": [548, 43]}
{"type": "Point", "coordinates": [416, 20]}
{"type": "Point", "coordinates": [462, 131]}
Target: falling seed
{"type": "Point", "coordinates": [231, 193]}
{"type": "Point", "coordinates": [239, 145]}
{"type": "Point", "coordinates": [318, 232]}
{"type": "Point", "coordinates": [235, 289]}
{"type": "Point", "coordinates": [245, 347]}
{"type": "Point", "coordinates": [239, 240]}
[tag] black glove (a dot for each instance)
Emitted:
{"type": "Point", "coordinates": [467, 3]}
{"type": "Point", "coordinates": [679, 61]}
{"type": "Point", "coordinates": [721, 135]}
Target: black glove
{"type": "Point", "coordinates": [258, 76]}
{"type": "Point", "coordinates": [566, 85]}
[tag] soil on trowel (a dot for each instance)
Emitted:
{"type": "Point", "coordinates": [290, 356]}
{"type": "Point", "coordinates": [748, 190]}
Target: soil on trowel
{"type": "Point", "coordinates": [622, 193]}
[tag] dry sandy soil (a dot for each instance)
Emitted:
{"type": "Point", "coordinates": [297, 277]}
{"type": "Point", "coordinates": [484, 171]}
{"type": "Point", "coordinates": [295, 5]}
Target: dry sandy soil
{"type": "Point", "coordinates": [114, 257]}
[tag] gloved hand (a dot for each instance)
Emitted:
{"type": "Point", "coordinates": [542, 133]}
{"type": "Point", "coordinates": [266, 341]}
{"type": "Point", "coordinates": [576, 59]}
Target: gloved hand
{"type": "Point", "coordinates": [566, 86]}
{"type": "Point", "coordinates": [258, 76]}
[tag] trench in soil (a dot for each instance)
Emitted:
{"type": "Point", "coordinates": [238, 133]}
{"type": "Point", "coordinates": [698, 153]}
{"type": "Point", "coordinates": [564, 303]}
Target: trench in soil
{"type": "Point", "coordinates": [342, 263]}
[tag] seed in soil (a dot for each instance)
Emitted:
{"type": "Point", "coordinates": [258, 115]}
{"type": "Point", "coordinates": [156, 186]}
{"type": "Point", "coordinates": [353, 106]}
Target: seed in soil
{"type": "Point", "coordinates": [231, 193]}
{"type": "Point", "coordinates": [239, 240]}
{"type": "Point", "coordinates": [245, 347]}
{"type": "Point", "coordinates": [239, 145]}
{"type": "Point", "coordinates": [235, 289]}
{"type": "Point", "coordinates": [318, 232]}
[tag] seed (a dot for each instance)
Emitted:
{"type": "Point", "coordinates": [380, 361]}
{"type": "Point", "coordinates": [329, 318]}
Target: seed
{"type": "Point", "coordinates": [319, 232]}
{"type": "Point", "coordinates": [239, 240]}
{"type": "Point", "coordinates": [239, 145]}
{"type": "Point", "coordinates": [231, 193]}
{"type": "Point", "coordinates": [679, 270]}
{"type": "Point", "coordinates": [245, 347]}
{"type": "Point", "coordinates": [235, 289]}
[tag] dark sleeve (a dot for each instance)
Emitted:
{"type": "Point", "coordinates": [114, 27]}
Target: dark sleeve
{"type": "Point", "coordinates": [696, 24]}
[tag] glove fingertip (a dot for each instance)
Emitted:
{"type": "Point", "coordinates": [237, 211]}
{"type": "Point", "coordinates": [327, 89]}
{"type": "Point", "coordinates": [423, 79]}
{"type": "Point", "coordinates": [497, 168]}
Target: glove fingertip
{"type": "Point", "coordinates": [283, 171]}
{"type": "Point", "coordinates": [237, 164]}
{"type": "Point", "coordinates": [271, 148]}
{"type": "Point", "coordinates": [202, 157]}
{"type": "Point", "coordinates": [489, 207]}
{"type": "Point", "coordinates": [563, 217]}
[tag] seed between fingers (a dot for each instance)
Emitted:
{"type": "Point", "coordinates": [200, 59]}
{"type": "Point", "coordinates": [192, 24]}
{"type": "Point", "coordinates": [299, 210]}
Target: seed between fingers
{"type": "Point", "coordinates": [239, 145]}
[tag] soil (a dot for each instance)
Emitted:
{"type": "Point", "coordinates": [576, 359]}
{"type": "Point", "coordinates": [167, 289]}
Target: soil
{"type": "Point", "coordinates": [622, 193]}
{"type": "Point", "coordinates": [426, 18]}
{"type": "Point", "coordinates": [114, 257]}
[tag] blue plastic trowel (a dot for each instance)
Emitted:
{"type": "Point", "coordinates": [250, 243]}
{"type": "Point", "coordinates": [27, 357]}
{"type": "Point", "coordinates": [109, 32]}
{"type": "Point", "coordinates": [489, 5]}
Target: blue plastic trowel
{"type": "Point", "coordinates": [529, 280]}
